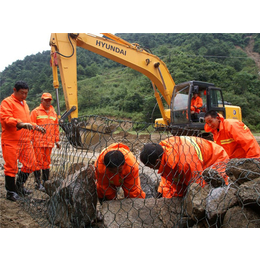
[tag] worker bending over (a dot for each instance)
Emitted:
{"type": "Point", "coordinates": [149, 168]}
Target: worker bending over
{"type": "Point", "coordinates": [233, 135]}
{"type": "Point", "coordinates": [181, 160]}
{"type": "Point", "coordinates": [45, 116]}
{"type": "Point", "coordinates": [16, 141]}
{"type": "Point", "coordinates": [117, 167]}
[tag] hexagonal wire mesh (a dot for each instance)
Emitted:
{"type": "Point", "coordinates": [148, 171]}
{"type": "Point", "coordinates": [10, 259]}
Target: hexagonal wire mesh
{"type": "Point", "coordinates": [71, 197]}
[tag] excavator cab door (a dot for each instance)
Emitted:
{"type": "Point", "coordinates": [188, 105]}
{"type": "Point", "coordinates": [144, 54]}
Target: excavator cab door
{"type": "Point", "coordinates": [180, 105]}
{"type": "Point", "coordinates": [215, 100]}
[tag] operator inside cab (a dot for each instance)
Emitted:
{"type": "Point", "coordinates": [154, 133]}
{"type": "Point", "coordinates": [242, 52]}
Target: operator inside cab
{"type": "Point", "coordinates": [196, 104]}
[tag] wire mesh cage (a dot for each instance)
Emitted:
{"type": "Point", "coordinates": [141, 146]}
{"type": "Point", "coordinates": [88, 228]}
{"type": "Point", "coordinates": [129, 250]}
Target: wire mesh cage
{"type": "Point", "coordinates": [71, 199]}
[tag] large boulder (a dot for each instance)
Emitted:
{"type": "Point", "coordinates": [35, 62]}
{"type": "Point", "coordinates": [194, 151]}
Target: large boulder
{"type": "Point", "coordinates": [142, 213]}
{"type": "Point", "coordinates": [238, 217]}
{"type": "Point", "coordinates": [243, 170]}
{"type": "Point", "coordinates": [218, 201]}
{"type": "Point", "coordinates": [195, 201]}
{"type": "Point", "coordinates": [52, 185]}
{"type": "Point", "coordinates": [75, 167]}
{"type": "Point", "coordinates": [74, 202]}
{"type": "Point", "coordinates": [249, 194]}
{"type": "Point", "coordinates": [149, 182]}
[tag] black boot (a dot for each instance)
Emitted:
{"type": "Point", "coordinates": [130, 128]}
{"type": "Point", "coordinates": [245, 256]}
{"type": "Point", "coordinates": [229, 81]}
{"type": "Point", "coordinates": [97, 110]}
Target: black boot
{"type": "Point", "coordinates": [45, 175]}
{"type": "Point", "coordinates": [11, 189]}
{"type": "Point", "coordinates": [21, 179]}
{"type": "Point", "coordinates": [38, 185]}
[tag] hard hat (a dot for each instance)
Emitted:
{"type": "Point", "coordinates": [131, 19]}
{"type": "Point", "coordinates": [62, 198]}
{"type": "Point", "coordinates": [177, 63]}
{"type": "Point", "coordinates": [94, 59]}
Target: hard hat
{"type": "Point", "coordinates": [46, 96]}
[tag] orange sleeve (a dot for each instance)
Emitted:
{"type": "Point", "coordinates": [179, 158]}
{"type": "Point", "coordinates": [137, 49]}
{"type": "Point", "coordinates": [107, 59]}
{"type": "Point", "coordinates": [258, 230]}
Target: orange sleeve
{"type": "Point", "coordinates": [57, 133]}
{"type": "Point", "coordinates": [33, 116]}
{"type": "Point", "coordinates": [192, 169]}
{"type": "Point", "coordinates": [199, 102]}
{"type": "Point", "coordinates": [192, 108]}
{"type": "Point", "coordinates": [132, 184]}
{"type": "Point", "coordinates": [56, 130]}
{"type": "Point", "coordinates": [242, 135]}
{"type": "Point", "coordinates": [214, 155]}
{"type": "Point", "coordinates": [104, 188]}
{"type": "Point", "coordinates": [7, 114]}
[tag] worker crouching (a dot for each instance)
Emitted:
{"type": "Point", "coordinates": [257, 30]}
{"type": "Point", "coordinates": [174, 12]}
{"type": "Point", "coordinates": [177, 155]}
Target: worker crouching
{"type": "Point", "coordinates": [181, 160]}
{"type": "Point", "coordinates": [117, 167]}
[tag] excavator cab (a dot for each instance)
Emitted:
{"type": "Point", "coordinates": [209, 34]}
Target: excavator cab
{"type": "Point", "coordinates": [182, 114]}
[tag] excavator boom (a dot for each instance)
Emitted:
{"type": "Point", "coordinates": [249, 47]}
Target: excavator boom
{"type": "Point", "coordinates": [177, 97]}
{"type": "Point", "coordinates": [63, 54]}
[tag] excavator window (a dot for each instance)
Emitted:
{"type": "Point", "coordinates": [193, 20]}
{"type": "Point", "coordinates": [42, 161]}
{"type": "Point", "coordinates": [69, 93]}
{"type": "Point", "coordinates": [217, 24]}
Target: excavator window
{"type": "Point", "coordinates": [216, 98]}
{"type": "Point", "coordinates": [180, 105]}
{"type": "Point", "coordinates": [203, 95]}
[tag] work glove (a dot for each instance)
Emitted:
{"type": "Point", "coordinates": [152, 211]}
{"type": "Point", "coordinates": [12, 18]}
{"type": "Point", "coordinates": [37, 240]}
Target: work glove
{"type": "Point", "coordinates": [24, 125]}
{"type": "Point", "coordinates": [40, 129]}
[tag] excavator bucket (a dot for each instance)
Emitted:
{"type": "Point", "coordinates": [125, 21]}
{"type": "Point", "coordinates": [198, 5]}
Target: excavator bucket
{"type": "Point", "coordinates": [88, 134]}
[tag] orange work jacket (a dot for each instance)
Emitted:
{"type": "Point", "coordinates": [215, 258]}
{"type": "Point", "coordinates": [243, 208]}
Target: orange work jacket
{"type": "Point", "coordinates": [13, 112]}
{"type": "Point", "coordinates": [128, 178]}
{"type": "Point", "coordinates": [50, 122]}
{"type": "Point", "coordinates": [198, 102]}
{"type": "Point", "coordinates": [183, 161]}
{"type": "Point", "coordinates": [236, 138]}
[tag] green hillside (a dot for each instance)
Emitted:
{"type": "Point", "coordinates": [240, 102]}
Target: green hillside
{"type": "Point", "coordinates": [110, 89]}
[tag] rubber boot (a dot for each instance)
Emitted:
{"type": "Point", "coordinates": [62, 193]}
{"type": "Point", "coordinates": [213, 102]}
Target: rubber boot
{"type": "Point", "coordinates": [38, 185]}
{"type": "Point", "coordinates": [21, 179]}
{"type": "Point", "coordinates": [11, 189]}
{"type": "Point", "coordinates": [45, 175]}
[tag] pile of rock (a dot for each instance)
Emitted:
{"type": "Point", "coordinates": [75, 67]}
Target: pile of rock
{"type": "Point", "coordinates": [73, 201]}
{"type": "Point", "coordinates": [236, 205]}
{"type": "Point", "coordinates": [215, 205]}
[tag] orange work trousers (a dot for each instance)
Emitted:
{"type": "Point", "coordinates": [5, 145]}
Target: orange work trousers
{"type": "Point", "coordinates": [24, 153]}
{"type": "Point", "coordinates": [43, 157]}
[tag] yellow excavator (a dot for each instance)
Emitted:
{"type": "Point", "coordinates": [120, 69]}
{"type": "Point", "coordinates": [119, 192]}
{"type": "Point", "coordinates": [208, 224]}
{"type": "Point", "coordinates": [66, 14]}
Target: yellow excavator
{"type": "Point", "coordinates": [177, 97]}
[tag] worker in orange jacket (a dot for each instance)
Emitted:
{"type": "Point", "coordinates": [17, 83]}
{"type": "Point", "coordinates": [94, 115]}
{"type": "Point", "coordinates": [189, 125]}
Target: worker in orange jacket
{"type": "Point", "coordinates": [45, 116]}
{"type": "Point", "coordinates": [233, 135]}
{"type": "Point", "coordinates": [196, 101]}
{"type": "Point", "coordinates": [117, 167]}
{"type": "Point", "coordinates": [16, 141]}
{"type": "Point", "coordinates": [196, 104]}
{"type": "Point", "coordinates": [181, 160]}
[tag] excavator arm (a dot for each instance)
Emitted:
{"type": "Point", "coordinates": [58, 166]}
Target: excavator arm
{"type": "Point", "coordinates": [63, 55]}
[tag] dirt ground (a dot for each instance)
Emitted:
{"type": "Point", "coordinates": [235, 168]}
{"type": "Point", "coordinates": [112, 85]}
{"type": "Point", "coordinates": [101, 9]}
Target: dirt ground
{"type": "Point", "coordinates": [12, 214]}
